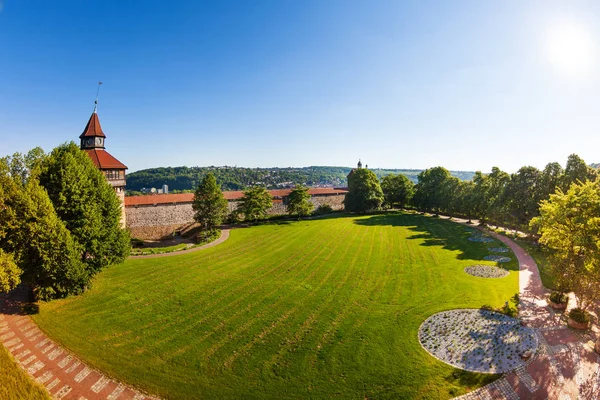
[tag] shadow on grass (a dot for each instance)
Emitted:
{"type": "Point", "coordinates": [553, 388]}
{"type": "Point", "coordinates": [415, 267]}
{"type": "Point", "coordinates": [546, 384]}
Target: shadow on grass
{"type": "Point", "coordinates": [433, 231]}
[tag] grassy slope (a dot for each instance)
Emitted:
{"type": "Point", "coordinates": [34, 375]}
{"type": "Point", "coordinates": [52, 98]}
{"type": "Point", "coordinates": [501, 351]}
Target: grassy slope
{"type": "Point", "coordinates": [14, 382]}
{"type": "Point", "coordinates": [311, 309]}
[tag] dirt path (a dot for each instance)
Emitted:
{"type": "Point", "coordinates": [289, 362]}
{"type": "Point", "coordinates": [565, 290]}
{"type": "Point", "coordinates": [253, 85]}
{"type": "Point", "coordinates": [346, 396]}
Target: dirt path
{"type": "Point", "coordinates": [224, 236]}
{"type": "Point", "coordinates": [565, 365]}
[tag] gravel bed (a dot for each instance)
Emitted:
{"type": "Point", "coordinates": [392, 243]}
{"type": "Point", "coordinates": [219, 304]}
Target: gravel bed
{"type": "Point", "coordinates": [486, 271]}
{"type": "Point", "coordinates": [498, 249]}
{"type": "Point", "coordinates": [477, 340]}
{"type": "Point", "coordinates": [482, 239]}
{"type": "Point", "coordinates": [497, 258]}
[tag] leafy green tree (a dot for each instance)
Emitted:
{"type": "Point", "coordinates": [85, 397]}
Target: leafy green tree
{"type": "Point", "coordinates": [397, 190]}
{"type": "Point", "coordinates": [88, 206]}
{"type": "Point", "coordinates": [10, 273]}
{"type": "Point", "coordinates": [298, 202]}
{"type": "Point", "coordinates": [255, 204]}
{"type": "Point", "coordinates": [569, 224]}
{"type": "Point", "coordinates": [522, 195]}
{"type": "Point", "coordinates": [49, 256]}
{"type": "Point", "coordinates": [32, 234]}
{"type": "Point", "coordinates": [577, 171]}
{"type": "Point", "coordinates": [551, 179]}
{"type": "Point", "coordinates": [432, 189]}
{"type": "Point", "coordinates": [364, 192]}
{"type": "Point", "coordinates": [209, 204]}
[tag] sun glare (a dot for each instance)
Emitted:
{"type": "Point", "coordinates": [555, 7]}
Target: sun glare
{"type": "Point", "coordinates": [571, 49]}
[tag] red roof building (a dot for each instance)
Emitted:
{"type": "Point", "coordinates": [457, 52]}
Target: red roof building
{"type": "Point", "coordinates": [92, 142]}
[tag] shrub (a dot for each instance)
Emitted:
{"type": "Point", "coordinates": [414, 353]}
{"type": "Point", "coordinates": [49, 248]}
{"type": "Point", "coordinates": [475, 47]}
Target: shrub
{"type": "Point", "coordinates": [323, 209]}
{"type": "Point", "coordinates": [579, 315]}
{"type": "Point", "coordinates": [559, 298]}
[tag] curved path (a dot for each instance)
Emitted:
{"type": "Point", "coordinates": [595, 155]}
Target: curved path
{"type": "Point", "coordinates": [565, 365]}
{"type": "Point", "coordinates": [224, 236]}
{"type": "Point", "coordinates": [62, 374]}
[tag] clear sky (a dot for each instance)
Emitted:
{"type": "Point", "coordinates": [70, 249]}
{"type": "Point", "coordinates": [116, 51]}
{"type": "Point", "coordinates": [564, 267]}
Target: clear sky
{"type": "Point", "coordinates": [400, 84]}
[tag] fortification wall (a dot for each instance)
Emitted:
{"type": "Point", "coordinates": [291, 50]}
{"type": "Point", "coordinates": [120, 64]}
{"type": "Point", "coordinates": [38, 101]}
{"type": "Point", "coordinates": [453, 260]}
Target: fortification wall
{"type": "Point", "coordinates": [155, 222]}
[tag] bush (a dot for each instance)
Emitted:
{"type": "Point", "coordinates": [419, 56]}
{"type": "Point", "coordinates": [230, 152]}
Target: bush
{"type": "Point", "coordinates": [579, 315]}
{"type": "Point", "coordinates": [207, 236]}
{"type": "Point", "coordinates": [558, 298]}
{"type": "Point", "coordinates": [323, 209]}
{"type": "Point", "coordinates": [233, 218]}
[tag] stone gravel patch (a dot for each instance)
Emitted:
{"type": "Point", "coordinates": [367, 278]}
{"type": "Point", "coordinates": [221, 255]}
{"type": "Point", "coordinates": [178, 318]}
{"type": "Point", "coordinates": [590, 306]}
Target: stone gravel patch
{"type": "Point", "coordinates": [498, 249]}
{"type": "Point", "coordinates": [482, 239]}
{"type": "Point", "coordinates": [486, 271]}
{"type": "Point", "coordinates": [477, 340]}
{"type": "Point", "coordinates": [497, 258]}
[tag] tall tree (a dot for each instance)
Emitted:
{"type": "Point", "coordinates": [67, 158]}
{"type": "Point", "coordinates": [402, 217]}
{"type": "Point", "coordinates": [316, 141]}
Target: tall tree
{"type": "Point", "coordinates": [209, 205]}
{"type": "Point", "coordinates": [87, 204]}
{"type": "Point", "coordinates": [432, 189]}
{"type": "Point", "coordinates": [569, 224]}
{"type": "Point", "coordinates": [523, 195]}
{"type": "Point", "coordinates": [298, 202]}
{"type": "Point", "coordinates": [364, 192]}
{"type": "Point", "coordinates": [255, 204]}
{"type": "Point", "coordinates": [32, 234]}
{"type": "Point", "coordinates": [397, 190]}
{"type": "Point", "coordinates": [577, 171]}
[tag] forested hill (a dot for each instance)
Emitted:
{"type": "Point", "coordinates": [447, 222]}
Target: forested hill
{"type": "Point", "coordinates": [238, 178]}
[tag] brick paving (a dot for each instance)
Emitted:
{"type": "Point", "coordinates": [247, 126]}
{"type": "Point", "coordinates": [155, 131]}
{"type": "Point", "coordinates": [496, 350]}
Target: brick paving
{"type": "Point", "coordinates": [565, 365]}
{"type": "Point", "coordinates": [62, 374]}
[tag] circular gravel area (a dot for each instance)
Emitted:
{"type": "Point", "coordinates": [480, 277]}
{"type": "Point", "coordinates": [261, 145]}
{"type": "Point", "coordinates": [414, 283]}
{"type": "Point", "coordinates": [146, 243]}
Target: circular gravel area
{"type": "Point", "coordinates": [477, 340]}
{"type": "Point", "coordinates": [498, 249]}
{"type": "Point", "coordinates": [486, 271]}
{"type": "Point", "coordinates": [497, 258]}
{"type": "Point", "coordinates": [483, 239]}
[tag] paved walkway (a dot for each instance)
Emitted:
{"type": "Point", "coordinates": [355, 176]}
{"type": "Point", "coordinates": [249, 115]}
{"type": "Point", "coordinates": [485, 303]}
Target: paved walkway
{"type": "Point", "coordinates": [224, 236]}
{"type": "Point", "coordinates": [565, 365]}
{"type": "Point", "coordinates": [62, 373]}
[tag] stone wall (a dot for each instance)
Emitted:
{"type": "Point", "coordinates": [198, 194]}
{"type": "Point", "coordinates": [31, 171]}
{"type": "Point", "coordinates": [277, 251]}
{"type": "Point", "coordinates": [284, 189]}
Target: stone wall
{"type": "Point", "coordinates": [155, 222]}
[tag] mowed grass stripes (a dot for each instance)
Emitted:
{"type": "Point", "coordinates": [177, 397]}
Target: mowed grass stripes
{"type": "Point", "coordinates": [311, 309]}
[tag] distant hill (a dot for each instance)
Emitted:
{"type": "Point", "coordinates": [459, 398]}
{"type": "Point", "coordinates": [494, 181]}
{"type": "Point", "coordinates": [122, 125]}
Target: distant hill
{"type": "Point", "coordinates": [239, 178]}
{"type": "Point", "coordinates": [595, 165]}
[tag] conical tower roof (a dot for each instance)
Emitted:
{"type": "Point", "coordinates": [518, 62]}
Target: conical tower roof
{"type": "Point", "coordinates": [93, 128]}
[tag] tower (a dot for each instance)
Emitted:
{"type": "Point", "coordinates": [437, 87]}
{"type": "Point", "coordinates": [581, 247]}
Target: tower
{"type": "Point", "coordinates": [92, 142]}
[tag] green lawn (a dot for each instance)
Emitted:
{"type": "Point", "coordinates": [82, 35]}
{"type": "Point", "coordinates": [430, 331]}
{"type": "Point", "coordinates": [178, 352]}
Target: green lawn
{"type": "Point", "coordinates": [15, 383]}
{"type": "Point", "coordinates": [326, 308]}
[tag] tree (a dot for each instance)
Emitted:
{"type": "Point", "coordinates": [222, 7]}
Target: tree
{"type": "Point", "coordinates": [397, 190]}
{"type": "Point", "coordinates": [569, 224]}
{"type": "Point", "coordinates": [209, 204]}
{"type": "Point", "coordinates": [10, 273]}
{"type": "Point", "coordinates": [298, 202]}
{"type": "Point", "coordinates": [255, 203]}
{"type": "Point", "coordinates": [33, 238]}
{"type": "Point", "coordinates": [364, 192]}
{"type": "Point", "coordinates": [87, 205]}
{"type": "Point", "coordinates": [522, 195]}
{"type": "Point", "coordinates": [432, 189]}
{"type": "Point", "coordinates": [575, 171]}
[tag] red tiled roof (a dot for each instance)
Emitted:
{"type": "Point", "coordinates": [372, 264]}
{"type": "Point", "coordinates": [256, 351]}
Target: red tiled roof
{"type": "Point", "coordinates": [103, 160]}
{"type": "Point", "coordinates": [229, 195]}
{"type": "Point", "coordinates": [93, 127]}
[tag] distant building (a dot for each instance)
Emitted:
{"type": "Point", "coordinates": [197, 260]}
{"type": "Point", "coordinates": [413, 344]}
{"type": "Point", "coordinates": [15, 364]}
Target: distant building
{"type": "Point", "coordinates": [165, 189]}
{"type": "Point", "coordinates": [92, 142]}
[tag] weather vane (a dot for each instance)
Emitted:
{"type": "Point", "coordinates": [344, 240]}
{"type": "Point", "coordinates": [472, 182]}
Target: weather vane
{"type": "Point", "coordinates": [97, 93]}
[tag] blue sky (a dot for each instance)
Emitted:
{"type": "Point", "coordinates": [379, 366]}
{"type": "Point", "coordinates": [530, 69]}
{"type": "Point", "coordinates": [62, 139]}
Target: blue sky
{"type": "Point", "coordinates": [463, 84]}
